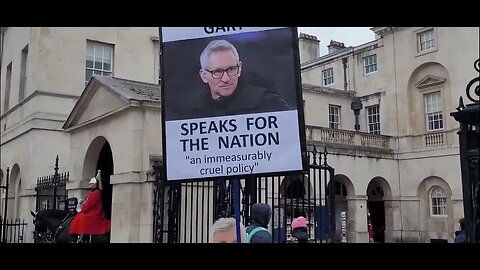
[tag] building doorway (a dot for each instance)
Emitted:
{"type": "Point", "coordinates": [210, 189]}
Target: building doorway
{"type": "Point", "coordinates": [99, 157]}
{"type": "Point", "coordinates": [105, 165]}
{"type": "Point", "coordinates": [376, 207]}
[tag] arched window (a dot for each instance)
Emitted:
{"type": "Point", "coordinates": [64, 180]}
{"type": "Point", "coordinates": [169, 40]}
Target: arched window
{"type": "Point", "coordinates": [438, 201]}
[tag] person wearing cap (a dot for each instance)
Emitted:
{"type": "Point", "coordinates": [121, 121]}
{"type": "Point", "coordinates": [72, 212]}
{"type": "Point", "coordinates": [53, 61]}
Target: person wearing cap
{"type": "Point", "coordinates": [299, 230]}
{"type": "Point", "coordinates": [91, 219]}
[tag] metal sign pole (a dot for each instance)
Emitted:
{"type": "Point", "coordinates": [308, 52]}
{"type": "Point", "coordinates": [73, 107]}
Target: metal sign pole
{"type": "Point", "coordinates": [236, 206]}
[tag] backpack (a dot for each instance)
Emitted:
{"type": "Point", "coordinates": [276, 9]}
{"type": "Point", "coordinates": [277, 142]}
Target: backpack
{"type": "Point", "coordinates": [254, 231]}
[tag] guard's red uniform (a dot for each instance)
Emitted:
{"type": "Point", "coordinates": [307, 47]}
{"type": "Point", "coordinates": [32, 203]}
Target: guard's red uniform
{"type": "Point", "coordinates": [370, 228]}
{"type": "Point", "coordinates": [91, 219]}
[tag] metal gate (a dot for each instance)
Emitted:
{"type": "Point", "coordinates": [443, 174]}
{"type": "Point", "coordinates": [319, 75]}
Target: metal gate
{"type": "Point", "coordinates": [184, 211]}
{"type": "Point", "coordinates": [51, 190]}
{"type": "Point", "coordinates": [469, 134]}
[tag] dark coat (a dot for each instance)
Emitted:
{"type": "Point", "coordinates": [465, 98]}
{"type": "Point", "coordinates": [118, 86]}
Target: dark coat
{"type": "Point", "coordinates": [460, 236]}
{"type": "Point", "coordinates": [261, 214]}
{"type": "Point", "coordinates": [300, 235]}
{"type": "Point", "coordinates": [249, 97]}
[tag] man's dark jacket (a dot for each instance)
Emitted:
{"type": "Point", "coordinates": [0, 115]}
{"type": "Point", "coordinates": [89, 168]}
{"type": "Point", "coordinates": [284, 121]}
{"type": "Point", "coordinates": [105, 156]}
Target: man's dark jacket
{"type": "Point", "coordinates": [249, 97]}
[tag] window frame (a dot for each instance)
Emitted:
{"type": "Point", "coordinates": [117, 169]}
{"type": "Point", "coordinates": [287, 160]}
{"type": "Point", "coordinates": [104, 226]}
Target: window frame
{"type": "Point", "coordinates": [93, 68]}
{"type": "Point", "coordinates": [8, 87]}
{"type": "Point", "coordinates": [438, 204]}
{"type": "Point", "coordinates": [373, 64]}
{"type": "Point", "coordinates": [324, 79]}
{"type": "Point", "coordinates": [426, 113]}
{"type": "Point", "coordinates": [339, 116]}
{"type": "Point", "coordinates": [434, 40]}
{"type": "Point", "coordinates": [23, 74]}
{"type": "Point", "coordinates": [368, 108]}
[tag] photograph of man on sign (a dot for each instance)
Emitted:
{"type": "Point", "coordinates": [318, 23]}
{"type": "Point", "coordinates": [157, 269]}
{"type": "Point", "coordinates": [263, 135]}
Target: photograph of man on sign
{"type": "Point", "coordinates": [231, 102]}
{"type": "Point", "coordinates": [221, 69]}
{"type": "Point", "coordinates": [226, 75]}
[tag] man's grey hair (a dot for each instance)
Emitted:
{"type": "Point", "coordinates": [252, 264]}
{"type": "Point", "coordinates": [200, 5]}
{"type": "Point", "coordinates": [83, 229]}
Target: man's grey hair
{"type": "Point", "coordinates": [224, 224]}
{"type": "Point", "coordinates": [214, 46]}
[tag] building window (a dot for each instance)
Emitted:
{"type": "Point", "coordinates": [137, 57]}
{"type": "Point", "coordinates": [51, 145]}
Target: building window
{"type": "Point", "coordinates": [373, 115]}
{"type": "Point", "coordinates": [426, 40]}
{"type": "Point", "coordinates": [334, 116]}
{"type": "Point", "coordinates": [327, 76]}
{"type": "Point", "coordinates": [433, 111]}
{"type": "Point", "coordinates": [370, 63]}
{"type": "Point", "coordinates": [340, 189]}
{"type": "Point", "coordinates": [8, 81]}
{"type": "Point", "coordinates": [438, 201]}
{"type": "Point", "coordinates": [23, 74]}
{"type": "Point", "coordinates": [99, 59]}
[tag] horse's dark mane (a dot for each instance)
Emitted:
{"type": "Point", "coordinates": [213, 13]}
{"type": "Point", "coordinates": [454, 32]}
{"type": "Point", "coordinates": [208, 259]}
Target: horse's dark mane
{"type": "Point", "coordinates": [52, 213]}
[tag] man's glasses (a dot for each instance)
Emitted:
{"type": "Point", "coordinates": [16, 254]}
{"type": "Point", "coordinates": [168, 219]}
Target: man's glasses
{"type": "Point", "coordinates": [218, 73]}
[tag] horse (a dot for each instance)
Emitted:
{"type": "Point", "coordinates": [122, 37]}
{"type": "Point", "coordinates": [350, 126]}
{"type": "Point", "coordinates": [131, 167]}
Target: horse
{"type": "Point", "coordinates": [53, 225]}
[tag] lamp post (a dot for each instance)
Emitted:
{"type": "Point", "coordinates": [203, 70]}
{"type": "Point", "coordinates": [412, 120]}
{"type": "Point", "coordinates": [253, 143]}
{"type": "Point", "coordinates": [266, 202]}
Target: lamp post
{"type": "Point", "coordinates": [356, 106]}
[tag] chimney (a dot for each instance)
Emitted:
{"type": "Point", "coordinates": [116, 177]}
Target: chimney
{"type": "Point", "coordinates": [309, 47]}
{"type": "Point", "coordinates": [335, 46]}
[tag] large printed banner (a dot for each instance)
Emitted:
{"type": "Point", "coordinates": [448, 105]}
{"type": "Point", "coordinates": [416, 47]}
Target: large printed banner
{"type": "Point", "coordinates": [231, 101]}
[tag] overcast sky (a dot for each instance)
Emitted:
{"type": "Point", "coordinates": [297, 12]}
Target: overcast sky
{"type": "Point", "coordinates": [350, 36]}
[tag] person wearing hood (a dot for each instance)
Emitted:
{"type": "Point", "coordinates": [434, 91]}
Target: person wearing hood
{"type": "Point", "coordinates": [258, 231]}
{"type": "Point", "coordinates": [299, 230]}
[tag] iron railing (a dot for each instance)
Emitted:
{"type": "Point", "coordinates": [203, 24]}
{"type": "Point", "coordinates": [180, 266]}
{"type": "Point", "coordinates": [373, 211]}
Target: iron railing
{"type": "Point", "coordinates": [184, 211]}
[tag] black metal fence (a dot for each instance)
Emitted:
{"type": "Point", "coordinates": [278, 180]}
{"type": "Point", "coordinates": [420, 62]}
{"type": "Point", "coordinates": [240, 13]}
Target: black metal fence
{"type": "Point", "coordinates": [51, 190]}
{"type": "Point", "coordinates": [12, 231]}
{"type": "Point", "coordinates": [184, 212]}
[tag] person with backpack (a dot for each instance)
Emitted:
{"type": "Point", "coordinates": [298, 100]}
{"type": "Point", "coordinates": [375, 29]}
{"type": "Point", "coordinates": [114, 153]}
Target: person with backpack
{"type": "Point", "coordinates": [258, 231]}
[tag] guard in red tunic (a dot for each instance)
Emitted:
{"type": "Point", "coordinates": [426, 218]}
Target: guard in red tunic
{"type": "Point", "coordinates": [91, 219]}
{"type": "Point", "coordinates": [370, 228]}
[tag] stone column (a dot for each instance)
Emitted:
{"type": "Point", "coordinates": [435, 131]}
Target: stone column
{"type": "Point", "coordinates": [132, 217]}
{"type": "Point", "coordinates": [357, 219]}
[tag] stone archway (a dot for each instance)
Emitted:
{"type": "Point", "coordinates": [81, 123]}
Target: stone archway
{"type": "Point", "coordinates": [427, 78]}
{"type": "Point", "coordinates": [343, 188]}
{"type": "Point", "coordinates": [379, 206]}
{"type": "Point", "coordinates": [99, 156]}
{"type": "Point", "coordinates": [13, 196]}
{"type": "Point", "coordinates": [436, 220]}
{"type": "Point", "coordinates": [296, 190]}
